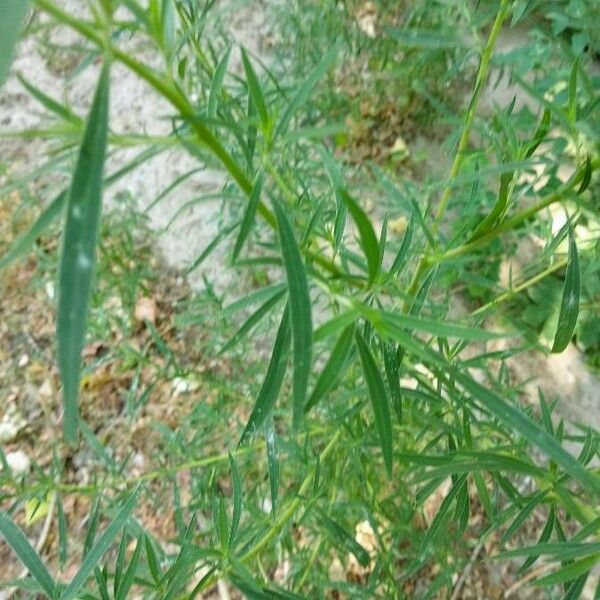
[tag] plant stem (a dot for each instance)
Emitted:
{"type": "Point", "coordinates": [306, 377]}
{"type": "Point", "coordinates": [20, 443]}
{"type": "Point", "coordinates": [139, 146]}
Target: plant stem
{"type": "Point", "coordinates": [482, 74]}
{"type": "Point", "coordinates": [508, 294]}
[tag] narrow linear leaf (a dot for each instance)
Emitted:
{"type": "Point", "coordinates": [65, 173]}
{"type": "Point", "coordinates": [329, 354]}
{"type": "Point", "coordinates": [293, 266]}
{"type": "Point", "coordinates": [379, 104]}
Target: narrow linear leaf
{"type": "Point", "coordinates": [305, 90]}
{"type": "Point", "coordinates": [569, 308]}
{"type": "Point", "coordinates": [13, 14]}
{"type": "Point", "coordinates": [260, 295]}
{"type": "Point", "coordinates": [167, 14]}
{"type": "Point", "coordinates": [120, 562]}
{"type": "Point", "coordinates": [152, 559]}
{"type": "Point", "coordinates": [587, 175]}
{"type": "Point", "coordinates": [55, 209]}
{"type": "Point", "coordinates": [300, 311]}
{"type": "Point", "coordinates": [344, 539]}
{"type": "Point", "coordinates": [559, 550]}
{"type": "Point", "coordinates": [499, 209]}
{"type": "Point", "coordinates": [379, 400]}
{"type": "Point", "coordinates": [16, 539]}
{"type": "Point", "coordinates": [22, 244]}
{"type": "Point", "coordinates": [62, 532]}
{"type": "Point", "coordinates": [367, 236]}
{"type": "Point", "coordinates": [253, 320]}
{"type": "Point", "coordinates": [442, 514]}
{"type": "Point", "coordinates": [523, 515]}
{"type": "Point", "coordinates": [216, 84]}
{"type": "Point", "coordinates": [78, 257]}
{"type": "Point", "coordinates": [437, 328]}
{"type": "Point", "coordinates": [64, 112]}
{"type": "Point", "coordinates": [403, 255]}
{"type": "Point", "coordinates": [237, 500]}
{"type": "Point", "coordinates": [255, 91]}
{"type": "Point", "coordinates": [531, 431]}
{"type": "Point", "coordinates": [96, 553]}
{"type": "Point", "coordinates": [392, 358]}
{"type": "Point", "coordinates": [572, 103]}
{"type": "Point", "coordinates": [544, 537]}
{"type": "Point", "coordinates": [540, 133]}
{"type": "Point", "coordinates": [210, 248]}
{"type": "Point", "coordinates": [334, 368]}
{"type": "Point", "coordinates": [576, 588]}
{"type": "Point", "coordinates": [571, 571]}
{"type": "Point", "coordinates": [273, 379]}
{"type": "Point", "coordinates": [336, 323]}
{"type": "Point", "coordinates": [249, 216]}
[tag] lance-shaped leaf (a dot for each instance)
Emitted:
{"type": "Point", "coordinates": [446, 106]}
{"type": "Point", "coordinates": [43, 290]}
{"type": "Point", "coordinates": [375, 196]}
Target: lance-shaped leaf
{"type": "Point", "coordinates": [334, 368]}
{"type": "Point", "coordinates": [13, 14]}
{"type": "Point", "coordinates": [255, 91]}
{"type": "Point", "coordinates": [84, 207]}
{"type": "Point", "coordinates": [499, 209]}
{"type": "Point", "coordinates": [216, 84]}
{"type": "Point", "coordinates": [367, 237]}
{"type": "Point", "coordinates": [442, 514]}
{"type": "Point", "coordinates": [273, 379]}
{"type": "Point", "coordinates": [249, 216]}
{"type": "Point", "coordinates": [16, 539]}
{"type": "Point", "coordinates": [343, 539]}
{"type": "Point", "coordinates": [300, 310]}
{"type": "Point", "coordinates": [403, 255]}
{"type": "Point", "coordinates": [93, 557]}
{"type": "Point", "coordinates": [569, 308]}
{"type": "Point", "coordinates": [22, 244]}
{"type": "Point", "coordinates": [379, 400]}
{"type": "Point", "coordinates": [237, 501]}
{"type": "Point", "coordinates": [305, 89]}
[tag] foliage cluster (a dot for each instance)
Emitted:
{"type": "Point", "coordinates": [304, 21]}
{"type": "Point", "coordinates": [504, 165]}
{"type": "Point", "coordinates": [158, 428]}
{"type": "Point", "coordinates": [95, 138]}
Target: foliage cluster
{"type": "Point", "coordinates": [375, 396]}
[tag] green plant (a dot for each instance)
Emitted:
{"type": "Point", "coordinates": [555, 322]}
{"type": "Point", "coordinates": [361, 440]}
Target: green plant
{"type": "Point", "coordinates": [394, 409]}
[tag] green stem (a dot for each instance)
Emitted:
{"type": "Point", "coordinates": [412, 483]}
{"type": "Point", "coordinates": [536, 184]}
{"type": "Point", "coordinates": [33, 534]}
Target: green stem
{"type": "Point", "coordinates": [517, 290]}
{"type": "Point", "coordinates": [482, 75]}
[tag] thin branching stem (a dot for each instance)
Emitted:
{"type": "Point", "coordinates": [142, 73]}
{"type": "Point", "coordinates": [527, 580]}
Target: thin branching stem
{"type": "Point", "coordinates": [482, 75]}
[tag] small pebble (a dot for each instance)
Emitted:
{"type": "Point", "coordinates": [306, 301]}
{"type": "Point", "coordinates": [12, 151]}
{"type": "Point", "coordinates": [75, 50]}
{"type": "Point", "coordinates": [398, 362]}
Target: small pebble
{"type": "Point", "coordinates": [19, 462]}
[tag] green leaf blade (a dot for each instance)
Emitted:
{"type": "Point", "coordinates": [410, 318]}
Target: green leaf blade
{"type": "Point", "coordinates": [273, 379]}
{"type": "Point", "coordinates": [569, 308]}
{"type": "Point", "coordinates": [249, 216]}
{"type": "Point", "coordinates": [379, 400]}
{"type": "Point", "coordinates": [84, 207]}
{"type": "Point", "coordinates": [300, 311]}
{"type": "Point", "coordinates": [334, 367]}
{"type": "Point", "coordinates": [13, 14]}
{"type": "Point", "coordinates": [16, 539]}
{"type": "Point", "coordinates": [305, 90]}
{"type": "Point", "coordinates": [95, 554]}
{"type": "Point", "coordinates": [255, 91]}
{"type": "Point", "coordinates": [216, 84]}
{"type": "Point", "coordinates": [368, 239]}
